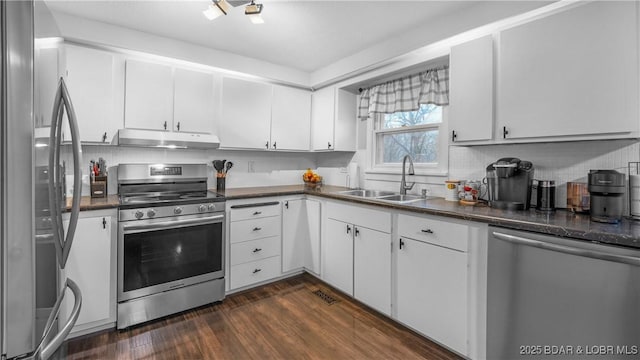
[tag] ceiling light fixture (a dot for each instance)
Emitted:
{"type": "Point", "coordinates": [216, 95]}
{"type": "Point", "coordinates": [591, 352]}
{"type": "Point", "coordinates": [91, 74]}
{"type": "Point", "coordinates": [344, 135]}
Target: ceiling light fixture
{"type": "Point", "coordinates": [253, 10]}
{"type": "Point", "coordinates": [217, 8]}
{"type": "Point", "coordinates": [221, 7]}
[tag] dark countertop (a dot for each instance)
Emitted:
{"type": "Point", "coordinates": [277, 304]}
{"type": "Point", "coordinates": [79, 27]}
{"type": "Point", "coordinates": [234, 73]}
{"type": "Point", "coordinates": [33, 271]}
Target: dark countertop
{"type": "Point", "coordinates": [560, 222]}
{"type": "Point", "coordinates": [88, 203]}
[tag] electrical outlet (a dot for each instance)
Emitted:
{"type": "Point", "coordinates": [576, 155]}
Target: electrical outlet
{"type": "Point", "coordinates": [251, 167]}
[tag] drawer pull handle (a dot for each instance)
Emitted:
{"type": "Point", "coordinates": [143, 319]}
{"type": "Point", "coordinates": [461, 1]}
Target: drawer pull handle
{"type": "Point", "coordinates": [427, 231]}
{"type": "Point", "coordinates": [257, 271]}
{"type": "Point", "coordinates": [257, 228]}
{"type": "Point", "coordinates": [257, 213]}
{"type": "Point", "coordinates": [257, 250]}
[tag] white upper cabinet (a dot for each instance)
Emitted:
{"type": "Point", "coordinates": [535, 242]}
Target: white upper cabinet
{"type": "Point", "coordinates": [333, 120]}
{"type": "Point", "coordinates": [148, 96]}
{"type": "Point", "coordinates": [47, 75]}
{"type": "Point", "coordinates": [322, 113]}
{"type": "Point", "coordinates": [290, 119]}
{"type": "Point", "coordinates": [471, 90]}
{"type": "Point", "coordinates": [194, 105]}
{"type": "Point", "coordinates": [246, 114]}
{"type": "Point", "coordinates": [90, 81]}
{"type": "Point", "coordinates": [574, 73]}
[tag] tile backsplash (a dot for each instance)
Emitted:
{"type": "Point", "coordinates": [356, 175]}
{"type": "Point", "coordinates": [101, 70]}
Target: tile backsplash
{"type": "Point", "coordinates": [251, 168]}
{"type": "Point", "coordinates": [561, 161]}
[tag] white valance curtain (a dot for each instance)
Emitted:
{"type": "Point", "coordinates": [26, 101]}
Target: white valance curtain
{"type": "Point", "coordinates": [406, 94]}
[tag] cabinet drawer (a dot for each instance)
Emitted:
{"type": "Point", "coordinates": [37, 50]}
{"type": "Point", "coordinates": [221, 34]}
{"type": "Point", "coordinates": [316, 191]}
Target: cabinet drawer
{"type": "Point", "coordinates": [255, 250]}
{"type": "Point", "coordinates": [361, 216]}
{"type": "Point", "coordinates": [437, 232]}
{"type": "Point", "coordinates": [255, 229]}
{"type": "Point", "coordinates": [254, 211]}
{"type": "Point", "coordinates": [254, 272]}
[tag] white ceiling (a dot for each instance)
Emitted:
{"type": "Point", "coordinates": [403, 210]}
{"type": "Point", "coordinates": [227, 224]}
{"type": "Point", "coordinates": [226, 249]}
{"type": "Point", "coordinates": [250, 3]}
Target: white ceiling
{"type": "Point", "coordinates": [304, 34]}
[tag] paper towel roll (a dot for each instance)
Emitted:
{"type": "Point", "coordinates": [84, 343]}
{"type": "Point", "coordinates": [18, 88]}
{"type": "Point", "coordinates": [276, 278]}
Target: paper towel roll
{"type": "Point", "coordinates": [634, 195]}
{"type": "Point", "coordinates": [352, 171]}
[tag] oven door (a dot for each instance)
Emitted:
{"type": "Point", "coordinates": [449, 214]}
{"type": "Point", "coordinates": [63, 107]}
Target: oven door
{"type": "Point", "coordinates": [157, 255]}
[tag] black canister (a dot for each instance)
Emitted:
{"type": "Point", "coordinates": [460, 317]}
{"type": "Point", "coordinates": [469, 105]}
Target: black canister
{"type": "Point", "coordinates": [546, 195]}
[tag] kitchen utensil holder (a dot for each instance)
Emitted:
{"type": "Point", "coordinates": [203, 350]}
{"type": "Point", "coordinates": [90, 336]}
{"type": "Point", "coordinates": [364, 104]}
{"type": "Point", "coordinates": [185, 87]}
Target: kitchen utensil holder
{"type": "Point", "coordinates": [99, 186]}
{"type": "Point", "coordinates": [220, 183]}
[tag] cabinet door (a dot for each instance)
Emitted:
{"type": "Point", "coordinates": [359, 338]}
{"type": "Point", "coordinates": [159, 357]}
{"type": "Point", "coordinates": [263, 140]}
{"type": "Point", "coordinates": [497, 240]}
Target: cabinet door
{"type": "Point", "coordinates": [46, 76]}
{"type": "Point", "coordinates": [471, 90]}
{"type": "Point", "coordinates": [337, 255]}
{"type": "Point", "coordinates": [89, 75]}
{"type": "Point", "coordinates": [432, 292]}
{"type": "Point", "coordinates": [148, 96]}
{"type": "Point", "coordinates": [290, 119]}
{"type": "Point", "coordinates": [194, 105]}
{"type": "Point", "coordinates": [345, 121]}
{"type": "Point", "coordinates": [89, 265]}
{"type": "Point", "coordinates": [312, 262]}
{"type": "Point", "coordinates": [322, 116]}
{"type": "Point", "coordinates": [295, 235]}
{"type": "Point", "coordinates": [571, 73]}
{"type": "Point", "coordinates": [372, 268]}
{"type": "Point", "coordinates": [246, 114]}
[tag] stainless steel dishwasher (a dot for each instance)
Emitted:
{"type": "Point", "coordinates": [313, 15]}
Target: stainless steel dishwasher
{"type": "Point", "coordinates": [557, 298]}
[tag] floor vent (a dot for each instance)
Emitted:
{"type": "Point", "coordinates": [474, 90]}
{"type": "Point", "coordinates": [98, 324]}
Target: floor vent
{"type": "Point", "coordinates": [330, 300]}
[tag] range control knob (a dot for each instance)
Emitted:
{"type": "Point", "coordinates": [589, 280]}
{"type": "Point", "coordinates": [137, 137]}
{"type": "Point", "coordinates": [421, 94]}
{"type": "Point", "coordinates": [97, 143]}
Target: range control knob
{"type": "Point", "coordinates": [177, 210]}
{"type": "Point", "coordinates": [139, 214]}
{"type": "Point", "coordinates": [151, 213]}
{"type": "Point", "coordinates": [212, 207]}
{"type": "Point", "coordinates": [202, 208]}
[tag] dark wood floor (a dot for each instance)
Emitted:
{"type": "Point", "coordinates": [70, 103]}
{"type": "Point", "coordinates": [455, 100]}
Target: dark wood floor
{"type": "Point", "coordinates": [282, 320]}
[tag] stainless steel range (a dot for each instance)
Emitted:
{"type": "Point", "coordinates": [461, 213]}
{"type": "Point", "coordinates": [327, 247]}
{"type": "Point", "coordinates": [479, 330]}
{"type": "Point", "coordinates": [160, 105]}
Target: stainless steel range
{"type": "Point", "coordinates": [170, 241]}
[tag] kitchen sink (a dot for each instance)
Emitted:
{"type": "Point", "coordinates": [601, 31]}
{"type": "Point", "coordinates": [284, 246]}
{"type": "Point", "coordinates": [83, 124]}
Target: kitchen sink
{"type": "Point", "coordinates": [399, 198]}
{"type": "Point", "coordinates": [367, 193]}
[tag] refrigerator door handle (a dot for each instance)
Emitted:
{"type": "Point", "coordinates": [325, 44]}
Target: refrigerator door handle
{"type": "Point", "coordinates": [44, 351]}
{"type": "Point", "coordinates": [63, 103]}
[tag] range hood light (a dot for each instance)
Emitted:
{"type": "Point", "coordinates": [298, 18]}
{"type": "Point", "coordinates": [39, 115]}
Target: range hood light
{"type": "Point", "coordinates": [253, 11]}
{"type": "Point", "coordinates": [216, 9]}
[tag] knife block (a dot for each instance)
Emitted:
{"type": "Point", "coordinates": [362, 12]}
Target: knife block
{"type": "Point", "coordinates": [99, 187]}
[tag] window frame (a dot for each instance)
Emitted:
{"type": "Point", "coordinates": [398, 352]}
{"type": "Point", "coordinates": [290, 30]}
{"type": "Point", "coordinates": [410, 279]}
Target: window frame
{"type": "Point", "coordinates": [439, 168]}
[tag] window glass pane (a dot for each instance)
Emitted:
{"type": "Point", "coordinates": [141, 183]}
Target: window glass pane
{"type": "Point", "coordinates": [421, 145]}
{"type": "Point", "coordinates": [427, 114]}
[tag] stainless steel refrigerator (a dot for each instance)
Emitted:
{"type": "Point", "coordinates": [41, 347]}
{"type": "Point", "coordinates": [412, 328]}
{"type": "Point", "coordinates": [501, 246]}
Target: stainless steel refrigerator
{"type": "Point", "coordinates": [32, 199]}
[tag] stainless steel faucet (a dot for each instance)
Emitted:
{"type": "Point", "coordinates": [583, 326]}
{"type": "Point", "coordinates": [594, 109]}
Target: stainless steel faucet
{"type": "Point", "coordinates": [403, 183]}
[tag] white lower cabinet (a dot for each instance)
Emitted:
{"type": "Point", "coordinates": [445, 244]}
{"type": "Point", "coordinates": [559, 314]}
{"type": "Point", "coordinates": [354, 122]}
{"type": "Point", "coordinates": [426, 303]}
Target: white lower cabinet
{"type": "Point", "coordinates": [372, 268]}
{"type": "Point", "coordinates": [337, 255]}
{"type": "Point", "coordinates": [357, 253]}
{"type": "Point", "coordinates": [255, 239]}
{"type": "Point", "coordinates": [301, 235]}
{"type": "Point", "coordinates": [432, 280]}
{"type": "Point", "coordinates": [92, 265]}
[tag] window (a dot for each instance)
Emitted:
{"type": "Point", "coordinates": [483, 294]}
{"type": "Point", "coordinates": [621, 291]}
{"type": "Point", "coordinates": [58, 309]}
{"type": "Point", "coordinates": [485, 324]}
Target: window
{"type": "Point", "coordinates": [417, 133]}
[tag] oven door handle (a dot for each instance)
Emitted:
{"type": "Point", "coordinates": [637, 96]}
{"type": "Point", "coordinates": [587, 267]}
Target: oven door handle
{"type": "Point", "coordinates": [172, 224]}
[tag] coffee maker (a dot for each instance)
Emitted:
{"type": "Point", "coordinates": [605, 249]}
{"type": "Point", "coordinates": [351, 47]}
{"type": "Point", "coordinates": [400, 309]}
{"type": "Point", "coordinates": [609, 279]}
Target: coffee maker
{"type": "Point", "coordinates": [509, 182]}
{"type": "Point", "coordinates": [607, 189]}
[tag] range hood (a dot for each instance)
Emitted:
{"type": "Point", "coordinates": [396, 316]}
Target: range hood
{"type": "Point", "coordinates": [166, 139]}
